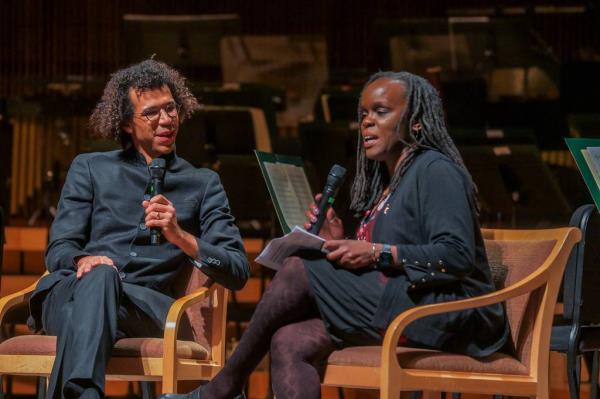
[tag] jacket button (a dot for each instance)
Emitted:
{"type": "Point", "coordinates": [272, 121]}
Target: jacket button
{"type": "Point", "coordinates": [143, 226]}
{"type": "Point", "coordinates": [428, 264]}
{"type": "Point", "coordinates": [122, 275]}
{"type": "Point", "coordinates": [132, 253]}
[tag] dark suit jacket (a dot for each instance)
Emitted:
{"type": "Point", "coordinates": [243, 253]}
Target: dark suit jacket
{"type": "Point", "coordinates": [100, 213]}
{"type": "Point", "coordinates": [431, 219]}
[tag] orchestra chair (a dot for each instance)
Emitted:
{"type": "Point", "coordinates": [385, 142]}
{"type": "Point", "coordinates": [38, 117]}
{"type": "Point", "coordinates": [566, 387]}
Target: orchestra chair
{"type": "Point", "coordinates": [577, 332]}
{"type": "Point", "coordinates": [528, 264]}
{"type": "Point", "coordinates": [19, 240]}
{"type": "Point", "coordinates": [192, 348]}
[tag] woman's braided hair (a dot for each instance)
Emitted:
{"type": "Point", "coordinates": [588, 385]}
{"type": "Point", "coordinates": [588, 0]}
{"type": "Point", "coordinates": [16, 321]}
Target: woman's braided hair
{"type": "Point", "coordinates": [115, 108]}
{"type": "Point", "coordinates": [424, 109]}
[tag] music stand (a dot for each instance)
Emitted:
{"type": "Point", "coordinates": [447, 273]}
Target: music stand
{"type": "Point", "coordinates": [515, 187]}
{"type": "Point", "coordinates": [191, 43]}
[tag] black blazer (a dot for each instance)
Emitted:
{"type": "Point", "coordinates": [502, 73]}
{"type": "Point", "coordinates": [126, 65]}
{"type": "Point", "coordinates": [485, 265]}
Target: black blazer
{"type": "Point", "coordinates": [431, 219]}
{"type": "Point", "coordinates": [100, 213]}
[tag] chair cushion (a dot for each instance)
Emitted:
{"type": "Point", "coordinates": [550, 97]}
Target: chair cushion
{"type": "Point", "coordinates": [425, 359]}
{"type": "Point", "coordinates": [127, 347]}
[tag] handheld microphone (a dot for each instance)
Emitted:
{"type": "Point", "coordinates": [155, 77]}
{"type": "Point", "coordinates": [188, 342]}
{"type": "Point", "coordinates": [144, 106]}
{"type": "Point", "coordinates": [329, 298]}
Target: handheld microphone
{"type": "Point", "coordinates": [157, 174]}
{"type": "Point", "coordinates": [334, 181]}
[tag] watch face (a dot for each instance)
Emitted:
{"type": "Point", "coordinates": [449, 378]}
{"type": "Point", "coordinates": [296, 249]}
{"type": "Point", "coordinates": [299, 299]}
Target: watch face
{"type": "Point", "coordinates": [385, 256]}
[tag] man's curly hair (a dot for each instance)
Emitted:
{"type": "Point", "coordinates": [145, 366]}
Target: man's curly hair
{"type": "Point", "coordinates": [115, 108]}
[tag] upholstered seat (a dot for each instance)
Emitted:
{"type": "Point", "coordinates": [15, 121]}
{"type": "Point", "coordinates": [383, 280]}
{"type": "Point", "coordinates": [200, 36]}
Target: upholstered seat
{"type": "Point", "coordinates": [425, 359]}
{"type": "Point", "coordinates": [45, 345]}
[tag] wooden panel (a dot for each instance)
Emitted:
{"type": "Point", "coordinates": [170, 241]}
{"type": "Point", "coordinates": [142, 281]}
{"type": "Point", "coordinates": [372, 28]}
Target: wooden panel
{"type": "Point", "coordinates": [26, 238]}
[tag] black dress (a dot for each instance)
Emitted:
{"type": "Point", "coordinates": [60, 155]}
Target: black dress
{"type": "Point", "coordinates": [430, 218]}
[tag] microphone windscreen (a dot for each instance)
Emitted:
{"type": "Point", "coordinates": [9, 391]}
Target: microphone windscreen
{"type": "Point", "coordinates": [157, 167]}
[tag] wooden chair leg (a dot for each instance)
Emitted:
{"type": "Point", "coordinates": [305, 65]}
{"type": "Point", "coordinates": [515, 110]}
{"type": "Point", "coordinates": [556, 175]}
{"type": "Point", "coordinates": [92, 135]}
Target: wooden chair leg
{"type": "Point", "coordinates": [392, 392]}
{"type": "Point", "coordinates": [1, 387]}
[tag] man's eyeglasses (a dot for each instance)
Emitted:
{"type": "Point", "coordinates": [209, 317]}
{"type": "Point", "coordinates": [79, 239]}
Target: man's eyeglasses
{"type": "Point", "coordinates": [153, 114]}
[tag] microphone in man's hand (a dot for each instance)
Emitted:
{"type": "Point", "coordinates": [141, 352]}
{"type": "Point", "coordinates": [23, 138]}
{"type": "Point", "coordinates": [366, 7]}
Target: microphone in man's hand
{"type": "Point", "coordinates": [334, 181]}
{"type": "Point", "coordinates": [157, 174]}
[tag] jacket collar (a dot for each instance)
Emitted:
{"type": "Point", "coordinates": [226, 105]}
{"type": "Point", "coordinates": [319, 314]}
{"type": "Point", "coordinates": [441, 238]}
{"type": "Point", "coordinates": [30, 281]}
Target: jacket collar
{"type": "Point", "coordinates": [130, 154]}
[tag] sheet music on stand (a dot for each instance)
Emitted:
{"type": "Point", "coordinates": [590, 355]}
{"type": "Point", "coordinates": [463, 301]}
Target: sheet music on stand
{"type": "Point", "coordinates": [291, 196]}
{"type": "Point", "coordinates": [586, 153]}
{"type": "Point", "coordinates": [288, 187]}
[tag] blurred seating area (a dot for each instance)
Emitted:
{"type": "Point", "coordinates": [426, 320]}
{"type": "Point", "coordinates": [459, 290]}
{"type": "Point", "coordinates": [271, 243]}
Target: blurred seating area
{"type": "Point", "coordinates": [286, 78]}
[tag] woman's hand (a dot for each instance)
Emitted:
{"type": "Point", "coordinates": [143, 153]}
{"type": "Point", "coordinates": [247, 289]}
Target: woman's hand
{"type": "Point", "coordinates": [332, 227]}
{"type": "Point", "coordinates": [351, 254]}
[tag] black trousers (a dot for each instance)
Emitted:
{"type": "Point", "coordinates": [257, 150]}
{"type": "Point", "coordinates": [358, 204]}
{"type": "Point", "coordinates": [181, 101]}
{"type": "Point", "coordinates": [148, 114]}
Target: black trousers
{"type": "Point", "coordinates": [88, 316]}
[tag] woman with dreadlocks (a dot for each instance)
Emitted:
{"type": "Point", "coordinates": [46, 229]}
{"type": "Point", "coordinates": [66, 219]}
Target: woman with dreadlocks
{"type": "Point", "coordinates": [418, 242]}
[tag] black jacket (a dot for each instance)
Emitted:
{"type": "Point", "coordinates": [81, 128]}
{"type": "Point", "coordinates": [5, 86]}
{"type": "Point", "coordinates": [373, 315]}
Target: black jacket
{"type": "Point", "coordinates": [100, 213]}
{"type": "Point", "coordinates": [431, 219]}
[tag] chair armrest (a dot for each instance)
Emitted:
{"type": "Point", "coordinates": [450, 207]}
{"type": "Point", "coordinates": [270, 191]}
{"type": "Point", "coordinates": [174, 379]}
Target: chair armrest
{"type": "Point", "coordinates": [397, 326]}
{"type": "Point", "coordinates": [11, 300]}
{"type": "Point", "coordinates": [172, 327]}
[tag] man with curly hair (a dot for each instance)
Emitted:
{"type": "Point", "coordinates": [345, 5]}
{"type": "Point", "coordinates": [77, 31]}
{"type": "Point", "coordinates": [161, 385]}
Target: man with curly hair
{"type": "Point", "coordinates": [106, 280]}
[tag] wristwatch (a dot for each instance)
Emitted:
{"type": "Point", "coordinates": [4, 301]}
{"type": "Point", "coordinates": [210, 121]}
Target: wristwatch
{"type": "Point", "coordinates": [385, 257]}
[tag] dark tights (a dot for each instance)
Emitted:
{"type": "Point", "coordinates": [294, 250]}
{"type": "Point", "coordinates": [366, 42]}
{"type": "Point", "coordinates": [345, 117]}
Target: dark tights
{"type": "Point", "coordinates": [298, 353]}
{"type": "Point", "coordinates": [285, 321]}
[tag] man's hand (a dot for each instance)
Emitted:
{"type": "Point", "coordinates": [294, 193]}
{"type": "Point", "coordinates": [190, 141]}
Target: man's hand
{"type": "Point", "coordinates": [332, 227]}
{"type": "Point", "coordinates": [351, 254]}
{"type": "Point", "coordinates": [161, 213]}
{"type": "Point", "coordinates": [85, 264]}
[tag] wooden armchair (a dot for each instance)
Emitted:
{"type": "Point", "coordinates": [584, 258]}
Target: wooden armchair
{"type": "Point", "coordinates": [198, 317]}
{"type": "Point", "coordinates": [530, 264]}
